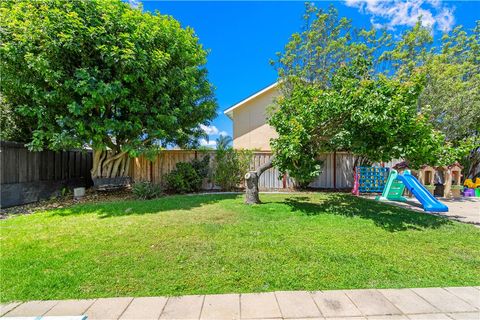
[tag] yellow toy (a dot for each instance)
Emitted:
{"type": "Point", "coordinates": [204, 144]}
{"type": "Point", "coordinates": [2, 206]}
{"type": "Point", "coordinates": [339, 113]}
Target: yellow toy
{"type": "Point", "coordinates": [469, 183]}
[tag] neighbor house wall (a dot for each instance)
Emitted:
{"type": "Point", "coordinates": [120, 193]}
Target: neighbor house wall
{"type": "Point", "coordinates": [250, 130]}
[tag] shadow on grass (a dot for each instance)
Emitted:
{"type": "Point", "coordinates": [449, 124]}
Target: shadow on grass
{"type": "Point", "coordinates": [388, 217]}
{"type": "Point", "coordinates": [139, 207]}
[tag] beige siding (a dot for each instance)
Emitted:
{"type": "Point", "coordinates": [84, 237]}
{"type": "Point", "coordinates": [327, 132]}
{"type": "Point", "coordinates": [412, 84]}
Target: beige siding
{"type": "Point", "coordinates": [250, 130]}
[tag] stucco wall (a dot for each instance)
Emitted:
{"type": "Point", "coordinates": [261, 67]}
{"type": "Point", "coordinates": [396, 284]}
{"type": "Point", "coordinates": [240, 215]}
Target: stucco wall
{"type": "Point", "coordinates": [250, 130]}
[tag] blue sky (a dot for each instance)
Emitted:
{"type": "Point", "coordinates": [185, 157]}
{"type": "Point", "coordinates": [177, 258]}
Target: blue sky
{"type": "Point", "coordinates": [242, 37]}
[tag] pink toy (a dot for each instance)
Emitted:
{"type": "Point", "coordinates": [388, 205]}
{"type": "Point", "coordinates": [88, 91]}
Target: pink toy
{"type": "Point", "coordinates": [356, 183]}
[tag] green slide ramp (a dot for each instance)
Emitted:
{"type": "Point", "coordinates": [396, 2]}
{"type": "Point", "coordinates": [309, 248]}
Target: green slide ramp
{"type": "Point", "coordinates": [393, 188]}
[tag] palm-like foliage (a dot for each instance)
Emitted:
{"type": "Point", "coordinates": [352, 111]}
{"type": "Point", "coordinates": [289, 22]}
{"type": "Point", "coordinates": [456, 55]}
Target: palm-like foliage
{"type": "Point", "coordinates": [223, 142]}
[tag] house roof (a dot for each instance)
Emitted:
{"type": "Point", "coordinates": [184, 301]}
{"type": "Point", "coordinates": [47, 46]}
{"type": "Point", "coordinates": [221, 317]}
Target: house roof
{"type": "Point", "coordinates": [229, 111]}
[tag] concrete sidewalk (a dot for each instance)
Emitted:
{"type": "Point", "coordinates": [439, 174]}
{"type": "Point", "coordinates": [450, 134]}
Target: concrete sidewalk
{"type": "Point", "coordinates": [466, 210]}
{"type": "Point", "coordinates": [425, 303]}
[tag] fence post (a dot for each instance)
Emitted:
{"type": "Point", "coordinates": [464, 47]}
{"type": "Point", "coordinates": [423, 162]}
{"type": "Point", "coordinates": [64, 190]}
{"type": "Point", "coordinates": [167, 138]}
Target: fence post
{"type": "Point", "coordinates": [334, 170]}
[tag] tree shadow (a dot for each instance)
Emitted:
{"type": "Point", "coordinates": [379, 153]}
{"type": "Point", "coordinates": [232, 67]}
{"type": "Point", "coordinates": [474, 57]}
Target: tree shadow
{"type": "Point", "coordinates": [386, 216]}
{"type": "Point", "coordinates": [140, 207]}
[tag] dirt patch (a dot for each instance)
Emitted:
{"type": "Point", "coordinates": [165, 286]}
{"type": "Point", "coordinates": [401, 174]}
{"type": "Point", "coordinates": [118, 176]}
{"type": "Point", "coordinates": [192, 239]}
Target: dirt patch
{"type": "Point", "coordinates": [91, 196]}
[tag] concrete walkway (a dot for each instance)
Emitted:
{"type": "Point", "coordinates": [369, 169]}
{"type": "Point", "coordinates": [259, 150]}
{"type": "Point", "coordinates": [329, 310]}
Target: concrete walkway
{"type": "Point", "coordinates": [466, 210]}
{"type": "Point", "coordinates": [425, 303]}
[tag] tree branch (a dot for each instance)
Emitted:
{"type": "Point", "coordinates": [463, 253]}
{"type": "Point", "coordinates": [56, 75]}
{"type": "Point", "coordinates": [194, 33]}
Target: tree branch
{"type": "Point", "coordinates": [267, 165]}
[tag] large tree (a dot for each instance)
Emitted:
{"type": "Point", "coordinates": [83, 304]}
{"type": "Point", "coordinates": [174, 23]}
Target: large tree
{"type": "Point", "coordinates": [452, 91]}
{"type": "Point", "coordinates": [374, 119]}
{"type": "Point", "coordinates": [451, 95]}
{"type": "Point", "coordinates": [335, 98]}
{"type": "Point", "coordinates": [311, 56]}
{"type": "Point", "coordinates": [13, 126]}
{"type": "Point", "coordinates": [103, 74]}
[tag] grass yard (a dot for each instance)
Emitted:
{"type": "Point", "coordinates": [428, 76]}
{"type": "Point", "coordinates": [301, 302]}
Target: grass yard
{"type": "Point", "coordinates": [215, 244]}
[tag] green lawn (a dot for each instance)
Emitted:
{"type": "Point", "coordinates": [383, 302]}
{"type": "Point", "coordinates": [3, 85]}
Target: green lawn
{"type": "Point", "coordinates": [215, 244]}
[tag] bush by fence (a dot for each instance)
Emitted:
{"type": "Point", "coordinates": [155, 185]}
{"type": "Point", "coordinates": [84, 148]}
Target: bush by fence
{"type": "Point", "coordinates": [187, 177]}
{"type": "Point", "coordinates": [230, 166]}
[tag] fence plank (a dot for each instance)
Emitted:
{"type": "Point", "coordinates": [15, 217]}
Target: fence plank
{"type": "Point", "coordinates": [22, 165]}
{"type": "Point", "coordinates": [78, 164]}
{"type": "Point", "coordinates": [58, 165]}
{"type": "Point", "coordinates": [65, 164]}
{"type": "Point", "coordinates": [35, 166]}
{"type": "Point", "coordinates": [11, 170]}
{"type": "Point", "coordinates": [51, 165]}
{"type": "Point", "coordinates": [71, 164]}
{"type": "Point", "coordinates": [2, 164]}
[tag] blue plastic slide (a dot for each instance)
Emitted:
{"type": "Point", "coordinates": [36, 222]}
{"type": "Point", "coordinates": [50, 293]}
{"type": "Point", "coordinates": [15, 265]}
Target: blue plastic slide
{"type": "Point", "coordinates": [421, 193]}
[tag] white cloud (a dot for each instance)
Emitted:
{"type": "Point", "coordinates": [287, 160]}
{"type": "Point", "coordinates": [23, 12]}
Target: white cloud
{"type": "Point", "coordinates": [205, 143]}
{"type": "Point", "coordinates": [390, 14]}
{"type": "Point", "coordinates": [209, 129]}
{"type": "Point", "coordinates": [135, 4]}
{"type": "Point", "coordinates": [435, 3]}
{"type": "Point", "coordinates": [445, 19]}
{"type": "Point", "coordinates": [213, 131]}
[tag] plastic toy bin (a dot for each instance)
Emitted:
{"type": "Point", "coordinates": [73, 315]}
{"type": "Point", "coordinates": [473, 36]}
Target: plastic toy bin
{"type": "Point", "coordinates": [469, 192]}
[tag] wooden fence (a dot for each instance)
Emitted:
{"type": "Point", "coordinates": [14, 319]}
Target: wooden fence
{"type": "Point", "coordinates": [146, 170]}
{"type": "Point", "coordinates": [337, 172]}
{"type": "Point", "coordinates": [29, 176]}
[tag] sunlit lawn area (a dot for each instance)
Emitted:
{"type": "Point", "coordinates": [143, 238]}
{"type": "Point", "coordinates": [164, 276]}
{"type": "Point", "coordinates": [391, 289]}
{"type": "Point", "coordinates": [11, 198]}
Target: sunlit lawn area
{"type": "Point", "coordinates": [216, 244]}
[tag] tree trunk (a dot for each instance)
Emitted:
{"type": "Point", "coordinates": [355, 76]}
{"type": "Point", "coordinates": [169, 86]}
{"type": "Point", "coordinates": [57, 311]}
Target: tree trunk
{"type": "Point", "coordinates": [251, 182]}
{"type": "Point", "coordinates": [110, 164]}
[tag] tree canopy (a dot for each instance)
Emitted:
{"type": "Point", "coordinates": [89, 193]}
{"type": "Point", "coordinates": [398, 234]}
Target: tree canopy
{"type": "Point", "coordinates": [375, 119]}
{"type": "Point", "coordinates": [451, 94]}
{"type": "Point", "coordinates": [104, 74]}
{"type": "Point", "coordinates": [339, 95]}
{"type": "Point", "coordinates": [327, 42]}
{"type": "Point", "coordinates": [452, 91]}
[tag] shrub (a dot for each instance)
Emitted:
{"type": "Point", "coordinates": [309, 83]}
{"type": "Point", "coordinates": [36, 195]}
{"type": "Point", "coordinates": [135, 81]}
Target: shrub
{"type": "Point", "coordinates": [202, 166]}
{"type": "Point", "coordinates": [187, 176]}
{"type": "Point", "coordinates": [230, 167]}
{"type": "Point", "coordinates": [146, 190]}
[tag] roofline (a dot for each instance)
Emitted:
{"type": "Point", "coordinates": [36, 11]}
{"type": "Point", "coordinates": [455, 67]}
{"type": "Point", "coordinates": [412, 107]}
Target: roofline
{"type": "Point", "coordinates": [229, 111]}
